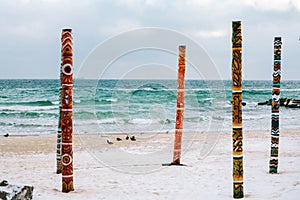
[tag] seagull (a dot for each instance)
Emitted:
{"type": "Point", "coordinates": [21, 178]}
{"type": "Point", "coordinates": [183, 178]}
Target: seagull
{"type": "Point", "coordinates": [109, 142]}
{"type": "Point", "coordinates": [133, 138]}
{"type": "Point", "coordinates": [119, 139]}
{"type": "Point", "coordinates": [6, 135]}
{"type": "Point", "coordinates": [127, 137]}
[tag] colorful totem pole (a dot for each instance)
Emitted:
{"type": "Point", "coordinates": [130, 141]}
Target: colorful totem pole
{"type": "Point", "coordinates": [58, 144]}
{"type": "Point", "coordinates": [66, 110]}
{"type": "Point", "coordinates": [180, 106]}
{"type": "Point", "coordinates": [237, 126]}
{"type": "Point", "coordinates": [275, 106]}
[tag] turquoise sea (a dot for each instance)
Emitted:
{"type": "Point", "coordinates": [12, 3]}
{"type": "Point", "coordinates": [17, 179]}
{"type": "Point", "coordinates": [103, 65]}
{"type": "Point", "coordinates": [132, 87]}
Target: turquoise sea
{"type": "Point", "coordinates": [120, 106]}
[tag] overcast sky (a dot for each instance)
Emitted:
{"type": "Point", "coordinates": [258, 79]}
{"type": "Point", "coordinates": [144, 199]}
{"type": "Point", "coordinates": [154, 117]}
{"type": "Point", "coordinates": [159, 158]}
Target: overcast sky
{"type": "Point", "coordinates": [30, 31]}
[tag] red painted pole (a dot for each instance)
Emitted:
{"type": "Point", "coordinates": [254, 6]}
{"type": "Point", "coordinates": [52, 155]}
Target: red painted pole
{"type": "Point", "coordinates": [66, 110]}
{"type": "Point", "coordinates": [58, 144]}
{"type": "Point", "coordinates": [180, 106]}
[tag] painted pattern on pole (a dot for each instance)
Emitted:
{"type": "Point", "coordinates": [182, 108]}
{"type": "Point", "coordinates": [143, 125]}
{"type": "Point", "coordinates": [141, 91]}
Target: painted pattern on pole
{"type": "Point", "coordinates": [237, 125]}
{"type": "Point", "coordinates": [275, 106]}
{"type": "Point", "coordinates": [58, 144]}
{"type": "Point", "coordinates": [66, 110]}
{"type": "Point", "coordinates": [180, 105]}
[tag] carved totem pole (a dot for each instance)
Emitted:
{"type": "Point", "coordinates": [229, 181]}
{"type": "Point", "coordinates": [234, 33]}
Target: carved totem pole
{"type": "Point", "coordinates": [275, 106]}
{"type": "Point", "coordinates": [180, 106]}
{"type": "Point", "coordinates": [237, 125]}
{"type": "Point", "coordinates": [58, 144]}
{"type": "Point", "coordinates": [66, 110]}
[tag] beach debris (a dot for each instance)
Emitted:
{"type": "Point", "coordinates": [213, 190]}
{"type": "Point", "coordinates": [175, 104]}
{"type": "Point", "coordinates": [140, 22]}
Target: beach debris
{"type": "Point", "coordinates": [286, 102]}
{"type": "Point", "coordinates": [132, 138]}
{"type": "Point", "coordinates": [109, 142]}
{"type": "Point", "coordinates": [4, 183]}
{"type": "Point", "coordinates": [118, 139]}
{"type": "Point", "coordinates": [264, 103]}
{"type": "Point", "coordinates": [14, 192]}
{"type": "Point", "coordinates": [127, 137]}
{"type": "Point", "coordinates": [6, 135]}
{"type": "Point", "coordinates": [294, 103]}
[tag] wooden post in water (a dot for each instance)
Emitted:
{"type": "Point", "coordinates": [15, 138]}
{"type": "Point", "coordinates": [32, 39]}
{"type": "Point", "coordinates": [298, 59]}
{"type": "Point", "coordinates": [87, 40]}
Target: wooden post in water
{"type": "Point", "coordinates": [180, 106]}
{"type": "Point", "coordinates": [275, 106]}
{"type": "Point", "coordinates": [66, 110]}
{"type": "Point", "coordinates": [237, 125]}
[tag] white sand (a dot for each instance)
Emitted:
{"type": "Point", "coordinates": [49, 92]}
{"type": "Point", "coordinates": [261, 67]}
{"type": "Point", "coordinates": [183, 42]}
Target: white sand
{"type": "Point", "coordinates": [133, 170]}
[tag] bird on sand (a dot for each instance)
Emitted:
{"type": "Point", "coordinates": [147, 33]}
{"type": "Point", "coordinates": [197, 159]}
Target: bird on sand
{"type": "Point", "coordinates": [127, 137]}
{"type": "Point", "coordinates": [109, 142]}
{"type": "Point", "coordinates": [132, 138]}
{"type": "Point", "coordinates": [6, 135]}
{"type": "Point", "coordinates": [119, 139]}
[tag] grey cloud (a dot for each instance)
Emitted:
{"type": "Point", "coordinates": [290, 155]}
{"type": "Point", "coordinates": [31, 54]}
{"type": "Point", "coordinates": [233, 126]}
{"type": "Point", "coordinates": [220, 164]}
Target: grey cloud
{"type": "Point", "coordinates": [30, 34]}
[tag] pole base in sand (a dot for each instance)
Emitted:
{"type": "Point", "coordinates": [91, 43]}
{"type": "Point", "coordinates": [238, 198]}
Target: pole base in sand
{"type": "Point", "coordinates": [173, 164]}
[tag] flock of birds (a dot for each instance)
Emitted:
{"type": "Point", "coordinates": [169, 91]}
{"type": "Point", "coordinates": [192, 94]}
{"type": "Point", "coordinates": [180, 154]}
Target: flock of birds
{"type": "Point", "coordinates": [132, 138]}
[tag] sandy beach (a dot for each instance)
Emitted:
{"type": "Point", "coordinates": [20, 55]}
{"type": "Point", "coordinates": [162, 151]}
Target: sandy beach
{"type": "Point", "coordinates": [150, 100]}
{"type": "Point", "coordinates": [132, 169]}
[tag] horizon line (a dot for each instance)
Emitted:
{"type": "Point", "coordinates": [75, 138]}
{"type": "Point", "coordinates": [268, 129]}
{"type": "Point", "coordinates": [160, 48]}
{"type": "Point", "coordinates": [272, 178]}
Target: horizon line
{"type": "Point", "coordinates": [142, 79]}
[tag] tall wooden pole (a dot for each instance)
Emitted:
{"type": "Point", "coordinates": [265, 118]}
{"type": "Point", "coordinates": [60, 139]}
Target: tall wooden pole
{"type": "Point", "coordinates": [180, 106]}
{"type": "Point", "coordinates": [237, 125]}
{"type": "Point", "coordinates": [58, 144]}
{"type": "Point", "coordinates": [66, 110]}
{"type": "Point", "coordinates": [275, 106]}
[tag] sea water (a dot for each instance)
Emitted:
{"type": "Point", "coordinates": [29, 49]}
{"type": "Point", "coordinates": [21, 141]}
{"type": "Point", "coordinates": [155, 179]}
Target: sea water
{"type": "Point", "coordinates": [139, 106]}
